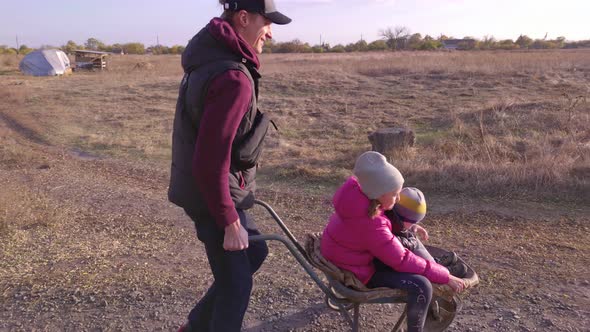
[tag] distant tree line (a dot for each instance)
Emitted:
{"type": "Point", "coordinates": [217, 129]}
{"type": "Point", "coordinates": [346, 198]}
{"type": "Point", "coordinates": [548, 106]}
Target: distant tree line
{"type": "Point", "coordinates": [23, 49]}
{"type": "Point", "coordinates": [400, 38]}
{"type": "Point", "coordinates": [392, 39]}
{"type": "Point", "coordinates": [94, 44]}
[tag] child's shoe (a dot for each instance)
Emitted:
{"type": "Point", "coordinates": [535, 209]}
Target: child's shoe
{"type": "Point", "coordinates": [447, 259]}
{"type": "Point", "coordinates": [458, 269]}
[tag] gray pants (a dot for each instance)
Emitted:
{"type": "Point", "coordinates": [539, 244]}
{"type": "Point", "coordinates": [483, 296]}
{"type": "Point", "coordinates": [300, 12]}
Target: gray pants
{"type": "Point", "coordinates": [421, 251]}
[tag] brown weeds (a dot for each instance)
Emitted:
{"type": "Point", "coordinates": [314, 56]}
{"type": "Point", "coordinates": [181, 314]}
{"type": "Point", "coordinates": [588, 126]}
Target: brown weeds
{"type": "Point", "coordinates": [487, 123]}
{"type": "Point", "coordinates": [9, 62]}
{"type": "Point", "coordinates": [436, 64]}
{"type": "Point", "coordinates": [13, 95]}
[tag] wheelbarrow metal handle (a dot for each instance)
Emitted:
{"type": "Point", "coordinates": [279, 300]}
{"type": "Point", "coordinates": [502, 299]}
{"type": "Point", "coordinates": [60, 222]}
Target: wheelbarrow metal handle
{"type": "Point", "coordinates": [300, 254]}
{"type": "Point", "coordinates": [295, 252]}
{"type": "Point", "coordinates": [281, 224]}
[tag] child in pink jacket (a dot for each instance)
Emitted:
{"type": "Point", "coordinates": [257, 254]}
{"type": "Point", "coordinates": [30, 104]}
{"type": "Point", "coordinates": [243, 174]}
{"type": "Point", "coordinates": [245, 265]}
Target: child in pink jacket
{"type": "Point", "coordinates": [359, 232]}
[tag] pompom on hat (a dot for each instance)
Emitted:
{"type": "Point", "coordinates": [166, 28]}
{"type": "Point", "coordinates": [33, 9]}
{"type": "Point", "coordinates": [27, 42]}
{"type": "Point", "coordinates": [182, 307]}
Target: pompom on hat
{"type": "Point", "coordinates": [375, 175]}
{"type": "Point", "coordinates": [411, 206]}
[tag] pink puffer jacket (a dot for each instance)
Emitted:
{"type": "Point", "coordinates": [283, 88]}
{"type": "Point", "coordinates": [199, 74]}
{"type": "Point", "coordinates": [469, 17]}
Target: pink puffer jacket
{"type": "Point", "coordinates": [351, 240]}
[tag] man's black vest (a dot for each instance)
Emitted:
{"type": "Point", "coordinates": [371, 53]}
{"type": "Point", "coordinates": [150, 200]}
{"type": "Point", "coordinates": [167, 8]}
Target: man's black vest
{"type": "Point", "coordinates": [247, 143]}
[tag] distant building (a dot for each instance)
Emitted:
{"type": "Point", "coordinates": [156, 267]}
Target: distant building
{"type": "Point", "coordinates": [91, 60]}
{"type": "Point", "coordinates": [401, 43]}
{"type": "Point", "coordinates": [458, 44]}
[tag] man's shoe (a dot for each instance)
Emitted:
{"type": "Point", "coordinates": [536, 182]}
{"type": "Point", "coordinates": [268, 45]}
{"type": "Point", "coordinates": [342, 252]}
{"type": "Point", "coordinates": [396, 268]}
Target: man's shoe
{"type": "Point", "coordinates": [186, 327]}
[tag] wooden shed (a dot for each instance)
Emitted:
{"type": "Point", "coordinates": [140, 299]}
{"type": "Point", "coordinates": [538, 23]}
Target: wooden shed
{"type": "Point", "coordinates": [459, 44]}
{"type": "Point", "coordinates": [90, 60]}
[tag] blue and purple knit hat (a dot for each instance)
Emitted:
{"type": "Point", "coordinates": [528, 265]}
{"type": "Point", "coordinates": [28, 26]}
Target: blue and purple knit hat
{"type": "Point", "coordinates": [411, 206]}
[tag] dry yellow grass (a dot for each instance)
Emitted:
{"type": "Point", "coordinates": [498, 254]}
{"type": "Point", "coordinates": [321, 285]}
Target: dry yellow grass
{"type": "Point", "coordinates": [388, 63]}
{"type": "Point", "coordinates": [508, 115]}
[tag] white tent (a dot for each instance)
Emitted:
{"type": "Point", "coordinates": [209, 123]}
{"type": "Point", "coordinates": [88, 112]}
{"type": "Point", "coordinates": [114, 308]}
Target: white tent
{"type": "Point", "coordinates": [45, 63]}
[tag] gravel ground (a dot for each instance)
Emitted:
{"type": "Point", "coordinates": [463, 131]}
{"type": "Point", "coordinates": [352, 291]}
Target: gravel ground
{"type": "Point", "coordinates": [96, 247]}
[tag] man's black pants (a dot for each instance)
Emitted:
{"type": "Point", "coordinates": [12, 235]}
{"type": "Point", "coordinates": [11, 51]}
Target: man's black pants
{"type": "Point", "coordinates": [223, 307]}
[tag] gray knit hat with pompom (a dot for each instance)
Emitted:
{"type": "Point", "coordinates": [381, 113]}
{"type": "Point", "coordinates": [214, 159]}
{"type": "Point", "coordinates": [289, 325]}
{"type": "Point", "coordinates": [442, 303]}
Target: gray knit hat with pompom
{"type": "Point", "coordinates": [375, 175]}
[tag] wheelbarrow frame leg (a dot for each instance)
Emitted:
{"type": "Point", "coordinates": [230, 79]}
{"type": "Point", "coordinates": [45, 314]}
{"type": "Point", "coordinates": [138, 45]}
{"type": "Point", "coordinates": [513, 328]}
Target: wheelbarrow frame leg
{"type": "Point", "coordinates": [356, 314]}
{"type": "Point", "coordinates": [402, 319]}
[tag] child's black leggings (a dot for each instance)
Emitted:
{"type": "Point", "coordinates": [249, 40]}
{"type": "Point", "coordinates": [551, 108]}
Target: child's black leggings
{"type": "Point", "coordinates": [419, 292]}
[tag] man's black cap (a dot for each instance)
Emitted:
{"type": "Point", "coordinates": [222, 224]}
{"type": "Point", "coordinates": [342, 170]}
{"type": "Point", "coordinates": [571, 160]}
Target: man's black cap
{"type": "Point", "coordinates": [265, 8]}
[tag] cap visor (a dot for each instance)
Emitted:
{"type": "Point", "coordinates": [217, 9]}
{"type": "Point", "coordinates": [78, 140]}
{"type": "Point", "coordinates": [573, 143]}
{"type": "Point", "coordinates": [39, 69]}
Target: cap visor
{"type": "Point", "coordinates": [277, 18]}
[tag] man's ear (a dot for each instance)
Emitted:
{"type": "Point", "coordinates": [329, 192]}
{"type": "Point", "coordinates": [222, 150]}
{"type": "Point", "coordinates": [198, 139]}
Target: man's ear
{"type": "Point", "coordinates": [242, 18]}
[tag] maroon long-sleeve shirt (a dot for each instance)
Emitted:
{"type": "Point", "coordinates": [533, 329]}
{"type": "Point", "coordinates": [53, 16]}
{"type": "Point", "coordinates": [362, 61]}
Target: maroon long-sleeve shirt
{"type": "Point", "coordinates": [226, 103]}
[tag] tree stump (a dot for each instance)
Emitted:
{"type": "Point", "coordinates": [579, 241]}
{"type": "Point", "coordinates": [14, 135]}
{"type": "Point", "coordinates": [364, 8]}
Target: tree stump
{"type": "Point", "coordinates": [387, 141]}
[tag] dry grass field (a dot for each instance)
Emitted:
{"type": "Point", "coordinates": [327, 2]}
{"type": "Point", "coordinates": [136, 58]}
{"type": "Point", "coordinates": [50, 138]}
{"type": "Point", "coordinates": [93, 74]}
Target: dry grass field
{"type": "Point", "coordinates": [88, 241]}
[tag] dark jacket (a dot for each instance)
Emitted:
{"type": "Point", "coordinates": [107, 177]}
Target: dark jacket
{"type": "Point", "coordinates": [408, 239]}
{"type": "Point", "coordinates": [218, 130]}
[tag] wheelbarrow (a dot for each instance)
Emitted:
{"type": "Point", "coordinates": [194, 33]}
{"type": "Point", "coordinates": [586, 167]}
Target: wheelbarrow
{"type": "Point", "coordinates": [345, 293]}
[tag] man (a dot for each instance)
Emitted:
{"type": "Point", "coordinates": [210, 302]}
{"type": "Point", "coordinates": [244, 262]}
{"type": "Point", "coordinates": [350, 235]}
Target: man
{"type": "Point", "coordinates": [217, 139]}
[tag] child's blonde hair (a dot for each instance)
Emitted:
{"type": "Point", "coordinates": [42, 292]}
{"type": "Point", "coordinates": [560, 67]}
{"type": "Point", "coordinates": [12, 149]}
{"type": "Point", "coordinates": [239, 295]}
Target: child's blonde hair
{"type": "Point", "coordinates": [374, 206]}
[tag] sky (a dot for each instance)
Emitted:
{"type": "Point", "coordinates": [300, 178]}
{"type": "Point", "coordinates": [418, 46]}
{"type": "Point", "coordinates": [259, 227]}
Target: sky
{"type": "Point", "coordinates": [174, 22]}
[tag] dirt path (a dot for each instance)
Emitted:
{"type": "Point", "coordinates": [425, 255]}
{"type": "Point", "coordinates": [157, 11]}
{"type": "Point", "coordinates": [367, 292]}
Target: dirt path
{"type": "Point", "coordinates": [100, 249]}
